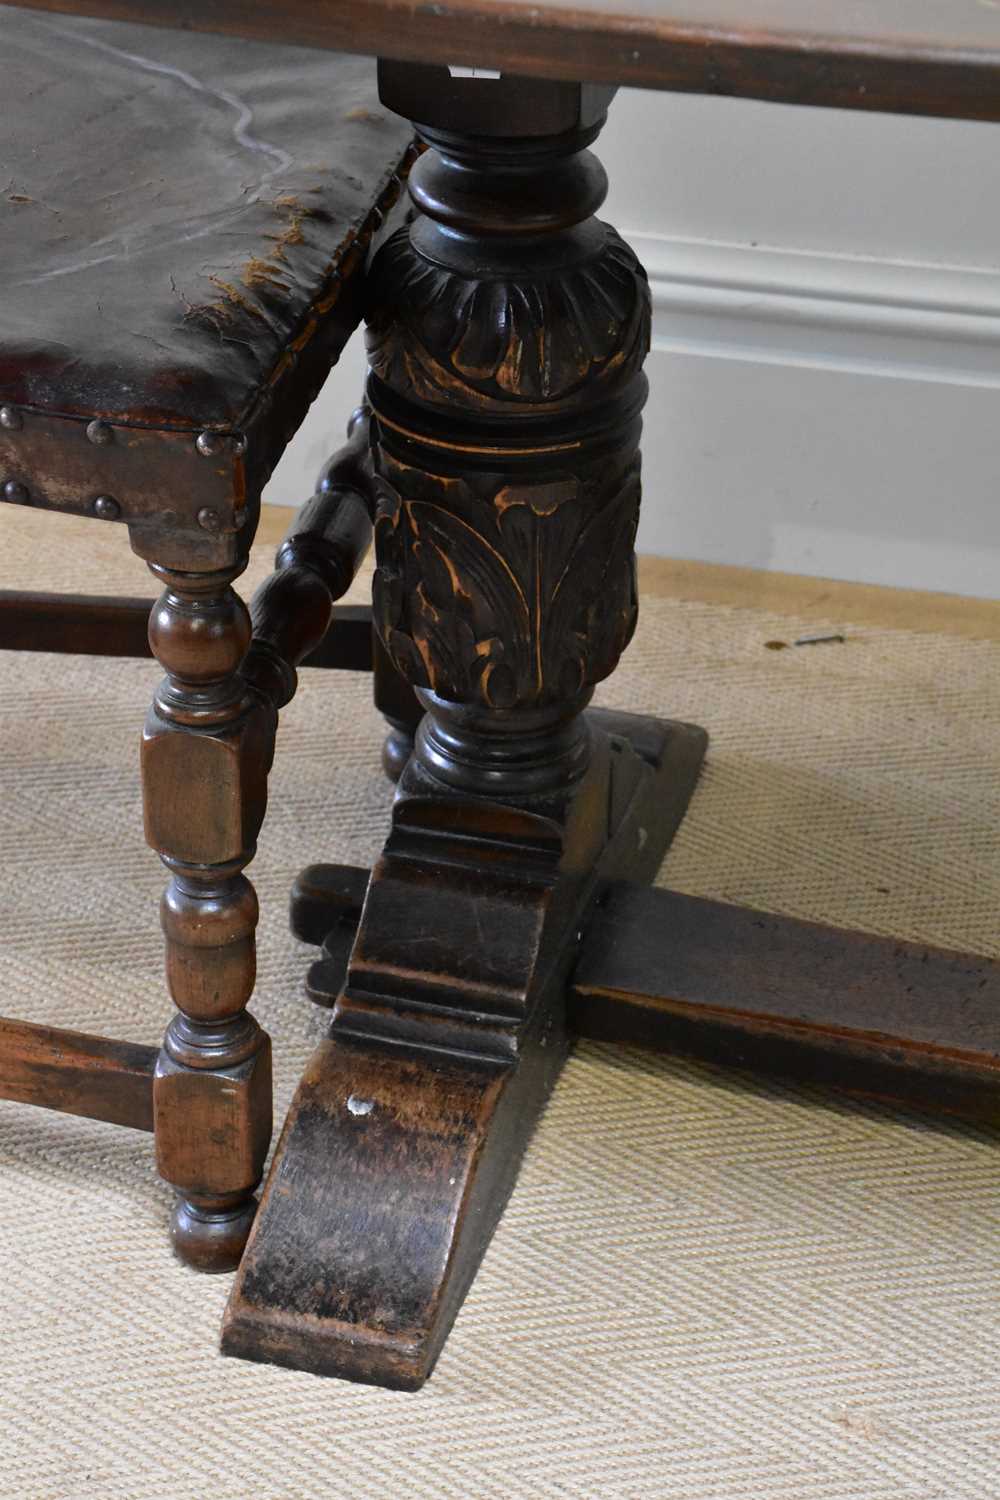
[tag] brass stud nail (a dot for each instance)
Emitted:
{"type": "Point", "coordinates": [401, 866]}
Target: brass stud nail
{"type": "Point", "coordinates": [239, 445]}
{"type": "Point", "coordinates": [10, 419]}
{"type": "Point", "coordinates": [107, 508]}
{"type": "Point", "coordinates": [208, 444]}
{"type": "Point", "coordinates": [100, 434]}
{"type": "Point", "coordinates": [15, 493]}
{"type": "Point", "coordinates": [209, 520]}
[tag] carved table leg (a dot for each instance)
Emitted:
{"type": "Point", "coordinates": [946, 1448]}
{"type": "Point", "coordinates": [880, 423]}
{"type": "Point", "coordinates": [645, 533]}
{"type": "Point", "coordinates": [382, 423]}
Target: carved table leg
{"type": "Point", "coordinates": [506, 335]}
{"type": "Point", "coordinates": [206, 752]}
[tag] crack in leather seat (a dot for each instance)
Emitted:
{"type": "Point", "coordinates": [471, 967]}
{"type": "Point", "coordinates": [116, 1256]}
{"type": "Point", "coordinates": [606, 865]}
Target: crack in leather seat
{"type": "Point", "coordinates": [183, 226]}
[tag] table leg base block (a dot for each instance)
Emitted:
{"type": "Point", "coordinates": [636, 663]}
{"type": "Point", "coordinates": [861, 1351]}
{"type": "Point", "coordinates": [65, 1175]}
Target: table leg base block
{"type": "Point", "coordinates": [674, 752]}
{"type": "Point", "coordinates": [398, 1156]}
{"type": "Point", "coordinates": [326, 899]}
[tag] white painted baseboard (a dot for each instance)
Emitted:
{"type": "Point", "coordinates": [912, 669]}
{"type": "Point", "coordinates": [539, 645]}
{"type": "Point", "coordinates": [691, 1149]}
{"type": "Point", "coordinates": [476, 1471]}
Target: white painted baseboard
{"type": "Point", "coordinates": [820, 414]}
{"type": "Point", "coordinates": [902, 320]}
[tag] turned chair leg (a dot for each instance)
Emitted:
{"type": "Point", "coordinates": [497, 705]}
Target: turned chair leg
{"type": "Point", "coordinates": [207, 748]}
{"type": "Point", "coordinates": [206, 751]}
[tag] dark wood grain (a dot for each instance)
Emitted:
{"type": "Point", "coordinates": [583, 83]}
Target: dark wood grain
{"type": "Point", "coordinates": [934, 57]}
{"type": "Point", "coordinates": [899, 1021]}
{"type": "Point", "coordinates": [77, 1074]}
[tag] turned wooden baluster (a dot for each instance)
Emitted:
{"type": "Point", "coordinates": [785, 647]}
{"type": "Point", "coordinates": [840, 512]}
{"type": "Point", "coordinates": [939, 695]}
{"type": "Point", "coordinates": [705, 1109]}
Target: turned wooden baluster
{"type": "Point", "coordinates": [316, 563]}
{"type": "Point", "coordinates": [315, 566]}
{"type": "Point", "coordinates": [206, 750]}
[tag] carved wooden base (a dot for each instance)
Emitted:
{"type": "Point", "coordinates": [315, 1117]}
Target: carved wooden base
{"type": "Point", "coordinates": [401, 1147]}
{"type": "Point", "coordinates": [397, 1158]}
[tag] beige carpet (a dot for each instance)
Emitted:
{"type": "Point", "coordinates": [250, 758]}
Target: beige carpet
{"type": "Point", "coordinates": [702, 1289]}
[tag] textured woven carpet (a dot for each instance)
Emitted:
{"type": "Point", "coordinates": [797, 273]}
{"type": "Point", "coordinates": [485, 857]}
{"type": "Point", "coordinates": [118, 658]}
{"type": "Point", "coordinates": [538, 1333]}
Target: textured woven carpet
{"type": "Point", "coordinates": [703, 1289]}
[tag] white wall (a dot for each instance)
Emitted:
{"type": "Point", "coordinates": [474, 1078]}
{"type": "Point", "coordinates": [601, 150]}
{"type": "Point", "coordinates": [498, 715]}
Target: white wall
{"type": "Point", "coordinates": [825, 374]}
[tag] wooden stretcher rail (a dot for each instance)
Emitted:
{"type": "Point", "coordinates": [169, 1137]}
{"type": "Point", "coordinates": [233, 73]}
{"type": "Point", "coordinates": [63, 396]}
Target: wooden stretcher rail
{"type": "Point", "coordinates": [92, 625]}
{"type": "Point", "coordinates": [902, 1022]}
{"type": "Point", "coordinates": [77, 1074]}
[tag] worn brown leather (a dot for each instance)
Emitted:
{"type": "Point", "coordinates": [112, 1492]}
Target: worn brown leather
{"type": "Point", "coordinates": [172, 209]}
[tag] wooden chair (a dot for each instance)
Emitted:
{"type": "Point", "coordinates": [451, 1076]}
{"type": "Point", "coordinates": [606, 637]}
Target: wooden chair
{"type": "Point", "coordinates": [184, 227]}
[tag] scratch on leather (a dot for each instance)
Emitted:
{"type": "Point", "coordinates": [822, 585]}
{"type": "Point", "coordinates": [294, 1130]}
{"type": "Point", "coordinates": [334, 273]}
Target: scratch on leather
{"type": "Point", "coordinates": [244, 114]}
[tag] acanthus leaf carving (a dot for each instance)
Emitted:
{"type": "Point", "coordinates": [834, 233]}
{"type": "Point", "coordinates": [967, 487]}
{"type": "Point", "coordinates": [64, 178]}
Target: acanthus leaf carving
{"type": "Point", "coordinates": [509, 595]}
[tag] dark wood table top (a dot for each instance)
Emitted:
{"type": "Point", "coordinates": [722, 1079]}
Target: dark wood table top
{"type": "Point", "coordinates": [934, 57]}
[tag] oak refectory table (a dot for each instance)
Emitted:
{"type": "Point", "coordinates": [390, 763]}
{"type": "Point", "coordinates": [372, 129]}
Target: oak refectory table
{"type": "Point", "coordinates": [511, 909]}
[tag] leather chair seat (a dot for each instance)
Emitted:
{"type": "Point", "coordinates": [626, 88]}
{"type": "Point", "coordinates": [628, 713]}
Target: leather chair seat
{"type": "Point", "coordinates": [183, 227]}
